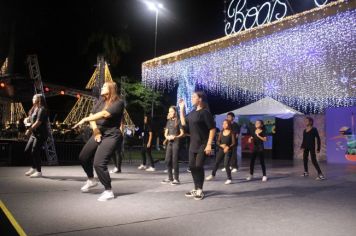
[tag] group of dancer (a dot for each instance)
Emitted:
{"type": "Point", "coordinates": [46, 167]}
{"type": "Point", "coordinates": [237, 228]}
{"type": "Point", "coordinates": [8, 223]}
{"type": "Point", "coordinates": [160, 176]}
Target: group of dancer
{"type": "Point", "coordinates": [106, 123]}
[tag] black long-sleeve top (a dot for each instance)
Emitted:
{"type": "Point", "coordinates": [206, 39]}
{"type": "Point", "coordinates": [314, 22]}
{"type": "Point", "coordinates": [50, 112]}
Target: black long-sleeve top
{"type": "Point", "coordinates": [309, 139]}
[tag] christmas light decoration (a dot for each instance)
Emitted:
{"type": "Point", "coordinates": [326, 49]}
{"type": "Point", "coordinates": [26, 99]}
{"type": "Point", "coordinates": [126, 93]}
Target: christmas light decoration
{"type": "Point", "coordinates": [302, 61]}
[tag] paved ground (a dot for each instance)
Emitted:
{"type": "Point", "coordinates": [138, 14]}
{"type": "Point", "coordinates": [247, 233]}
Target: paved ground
{"type": "Point", "coordinates": [286, 205]}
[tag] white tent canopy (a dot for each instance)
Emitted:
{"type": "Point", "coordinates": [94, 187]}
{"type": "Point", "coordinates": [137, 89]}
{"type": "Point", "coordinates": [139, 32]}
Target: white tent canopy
{"type": "Point", "coordinates": [266, 106]}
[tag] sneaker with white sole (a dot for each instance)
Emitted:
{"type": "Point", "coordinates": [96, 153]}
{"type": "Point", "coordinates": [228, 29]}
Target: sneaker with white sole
{"type": "Point", "coordinates": [91, 183]}
{"type": "Point", "coordinates": [115, 170]}
{"type": "Point", "coordinates": [264, 179]}
{"type": "Point", "coordinates": [223, 169]}
{"type": "Point", "coordinates": [320, 177]}
{"type": "Point", "coordinates": [228, 181]}
{"type": "Point", "coordinates": [210, 177]}
{"type": "Point", "coordinates": [141, 167]}
{"type": "Point", "coordinates": [106, 195]}
{"type": "Point", "coordinates": [150, 169]}
{"type": "Point", "coordinates": [199, 195]}
{"type": "Point", "coordinates": [191, 193]}
{"type": "Point", "coordinates": [234, 170]}
{"type": "Point", "coordinates": [305, 174]}
{"type": "Point", "coordinates": [250, 177]}
{"type": "Point", "coordinates": [166, 181]}
{"type": "Point", "coordinates": [30, 172]}
{"type": "Point", "coordinates": [36, 175]}
{"type": "Point", "coordinates": [175, 182]}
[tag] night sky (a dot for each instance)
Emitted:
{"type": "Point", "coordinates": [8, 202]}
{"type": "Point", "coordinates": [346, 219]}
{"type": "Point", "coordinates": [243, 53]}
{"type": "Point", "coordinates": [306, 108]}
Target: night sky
{"type": "Point", "coordinates": [58, 32]}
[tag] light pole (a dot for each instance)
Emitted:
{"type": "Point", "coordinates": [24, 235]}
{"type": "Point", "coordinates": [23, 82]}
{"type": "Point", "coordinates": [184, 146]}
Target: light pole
{"type": "Point", "coordinates": [154, 6]}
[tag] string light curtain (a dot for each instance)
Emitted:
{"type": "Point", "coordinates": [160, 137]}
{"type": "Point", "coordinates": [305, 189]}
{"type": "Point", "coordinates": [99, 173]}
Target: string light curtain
{"type": "Point", "coordinates": [306, 61]}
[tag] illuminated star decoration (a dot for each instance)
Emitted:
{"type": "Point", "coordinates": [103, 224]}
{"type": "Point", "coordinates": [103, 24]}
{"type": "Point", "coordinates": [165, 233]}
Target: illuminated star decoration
{"type": "Point", "coordinates": [271, 87]}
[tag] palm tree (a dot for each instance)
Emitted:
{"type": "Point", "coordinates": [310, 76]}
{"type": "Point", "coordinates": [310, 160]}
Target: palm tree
{"type": "Point", "coordinates": [111, 46]}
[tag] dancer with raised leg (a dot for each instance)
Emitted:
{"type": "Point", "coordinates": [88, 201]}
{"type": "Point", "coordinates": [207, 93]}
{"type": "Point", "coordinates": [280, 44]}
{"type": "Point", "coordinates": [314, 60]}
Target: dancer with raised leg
{"type": "Point", "coordinates": [200, 124]}
{"type": "Point", "coordinates": [104, 119]}
{"type": "Point", "coordinates": [37, 133]}
{"type": "Point", "coordinates": [226, 143]}
{"type": "Point", "coordinates": [310, 134]}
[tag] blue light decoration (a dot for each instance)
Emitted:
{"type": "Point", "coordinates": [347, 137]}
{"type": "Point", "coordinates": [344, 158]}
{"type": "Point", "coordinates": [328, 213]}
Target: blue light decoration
{"type": "Point", "coordinates": [186, 88]}
{"type": "Point", "coordinates": [309, 66]}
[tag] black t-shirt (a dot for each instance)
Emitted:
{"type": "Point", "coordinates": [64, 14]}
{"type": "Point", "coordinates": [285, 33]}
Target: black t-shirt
{"type": "Point", "coordinates": [40, 114]}
{"type": "Point", "coordinates": [173, 127]}
{"type": "Point", "coordinates": [116, 110]}
{"type": "Point", "coordinates": [309, 139]}
{"type": "Point", "coordinates": [235, 128]}
{"type": "Point", "coordinates": [147, 128]}
{"type": "Point", "coordinates": [198, 125]}
{"type": "Point", "coordinates": [257, 142]}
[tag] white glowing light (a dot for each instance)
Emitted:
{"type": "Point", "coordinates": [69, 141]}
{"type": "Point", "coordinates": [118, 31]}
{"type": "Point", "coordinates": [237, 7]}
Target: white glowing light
{"type": "Point", "coordinates": [307, 61]}
{"type": "Point", "coordinates": [320, 3]}
{"type": "Point", "coordinates": [237, 20]}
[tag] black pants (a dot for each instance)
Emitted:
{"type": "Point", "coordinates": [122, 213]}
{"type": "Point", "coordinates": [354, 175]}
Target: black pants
{"type": "Point", "coordinates": [233, 161]}
{"type": "Point", "coordinates": [98, 155]}
{"type": "Point", "coordinates": [172, 155]}
{"type": "Point", "coordinates": [147, 151]}
{"type": "Point", "coordinates": [259, 154]}
{"type": "Point", "coordinates": [117, 158]}
{"type": "Point", "coordinates": [313, 158]}
{"type": "Point", "coordinates": [196, 166]}
{"type": "Point", "coordinates": [33, 148]}
{"type": "Point", "coordinates": [227, 159]}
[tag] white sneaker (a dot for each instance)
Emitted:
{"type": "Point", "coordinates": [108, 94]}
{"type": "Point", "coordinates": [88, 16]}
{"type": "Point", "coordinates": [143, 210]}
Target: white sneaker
{"type": "Point", "coordinates": [165, 171]}
{"type": "Point", "coordinates": [234, 170]}
{"type": "Point", "coordinates": [30, 172]}
{"type": "Point", "coordinates": [36, 175]}
{"type": "Point", "coordinates": [264, 179]}
{"type": "Point", "coordinates": [141, 167]}
{"type": "Point", "coordinates": [210, 177]}
{"type": "Point", "coordinates": [228, 181]}
{"type": "Point", "coordinates": [89, 185]}
{"type": "Point", "coordinates": [106, 195]}
{"type": "Point", "coordinates": [223, 169]}
{"type": "Point", "coordinates": [115, 170]}
{"type": "Point", "coordinates": [151, 169]}
{"type": "Point", "coordinates": [250, 177]}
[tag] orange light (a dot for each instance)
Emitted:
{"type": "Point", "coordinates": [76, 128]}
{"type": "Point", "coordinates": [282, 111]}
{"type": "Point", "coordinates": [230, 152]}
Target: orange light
{"type": "Point", "coordinates": [62, 92]}
{"type": "Point", "coordinates": [78, 95]}
{"type": "Point", "coordinates": [2, 85]}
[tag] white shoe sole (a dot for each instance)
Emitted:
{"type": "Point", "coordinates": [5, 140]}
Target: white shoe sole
{"type": "Point", "coordinates": [87, 190]}
{"type": "Point", "coordinates": [105, 199]}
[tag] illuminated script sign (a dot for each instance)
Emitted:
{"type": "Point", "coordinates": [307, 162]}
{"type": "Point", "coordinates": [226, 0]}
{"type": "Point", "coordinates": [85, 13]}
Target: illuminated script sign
{"type": "Point", "coordinates": [239, 19]}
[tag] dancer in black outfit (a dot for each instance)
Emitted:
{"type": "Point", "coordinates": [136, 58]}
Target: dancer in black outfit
{"type": "Point", "coordinates": [226, 142]}
{"type": "Point", "coordinates": [173, 132]}
{"type": "Point", "coordinates": [117, 158]}
{"type": "Point", "coordinates": [106, 115]}
{"type": "Point", "coordinates": [37, 133]}
{"type": "Point", "coordinates": [236, 129]}
{"type": "Point", "coordinates": [200, 124]}
{"type": "Point", "coordinates": [147, 137]}
{"type": "Point", "coordinates": [258, 137]}
{"type": "Point", "coordinates": [308, 145]}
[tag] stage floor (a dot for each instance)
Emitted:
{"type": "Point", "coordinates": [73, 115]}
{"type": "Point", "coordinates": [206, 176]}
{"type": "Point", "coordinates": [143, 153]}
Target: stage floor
{"type": "Point", "coordinates": [285, 205]}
